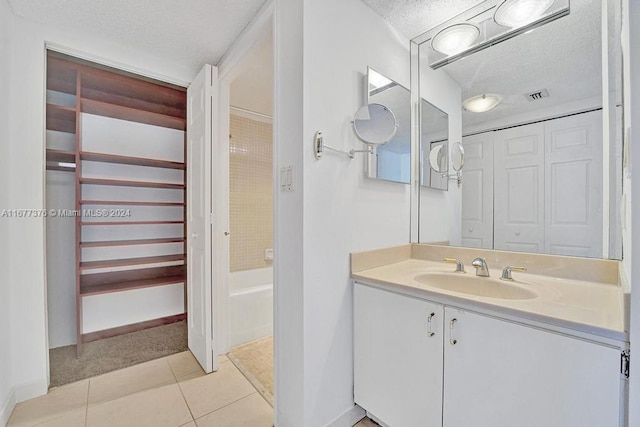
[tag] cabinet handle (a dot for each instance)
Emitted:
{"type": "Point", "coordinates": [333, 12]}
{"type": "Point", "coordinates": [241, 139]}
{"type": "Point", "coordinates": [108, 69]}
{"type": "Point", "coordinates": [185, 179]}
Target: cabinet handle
{"type": "Point", "coordinates": [452, 340]}
{"type": "Point", "coordinates": [430, 333]}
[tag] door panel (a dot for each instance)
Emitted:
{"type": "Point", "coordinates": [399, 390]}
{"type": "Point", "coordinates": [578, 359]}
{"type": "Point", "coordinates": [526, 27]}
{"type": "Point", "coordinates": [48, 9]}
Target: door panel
{"type": "Point", "coordinates": [573, 190]}
{"type": "Point", "coordinates": [502, 374]}
{"type": "Point", "coordinates": [519, 188]}
{"type": "Point", "coordinates": [477, 191]}
{"type": "Point", "coordinates": [199, 265]}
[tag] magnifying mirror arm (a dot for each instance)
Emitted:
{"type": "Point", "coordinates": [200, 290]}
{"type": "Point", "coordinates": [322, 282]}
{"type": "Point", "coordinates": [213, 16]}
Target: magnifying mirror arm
{"type": "Point", "coordinates": [457, 177]}
{"type": "Point", "coordinates": [320, 147]}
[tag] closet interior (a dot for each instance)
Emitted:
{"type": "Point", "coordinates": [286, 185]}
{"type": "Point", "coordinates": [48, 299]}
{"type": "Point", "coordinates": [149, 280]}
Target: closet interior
{"type": "Point", "coordinates": [116, 183]}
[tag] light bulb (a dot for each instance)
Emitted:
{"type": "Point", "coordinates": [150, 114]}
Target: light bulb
{"type": "Point", "coordinates": [455, 39]}
{"type": "Point", "coordinates": [516, 13]}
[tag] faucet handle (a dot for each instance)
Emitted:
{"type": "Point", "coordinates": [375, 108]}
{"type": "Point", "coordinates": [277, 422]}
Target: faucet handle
{"type": "Point", "coordinates": [506, 272]}
{"type": "Point", "coordinates": [458, 263]}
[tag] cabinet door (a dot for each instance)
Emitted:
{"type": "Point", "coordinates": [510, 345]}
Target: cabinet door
{"type": "Point", "coordinates": [398, 363]}
{"type": "Point", "coordinates": [500, 373]}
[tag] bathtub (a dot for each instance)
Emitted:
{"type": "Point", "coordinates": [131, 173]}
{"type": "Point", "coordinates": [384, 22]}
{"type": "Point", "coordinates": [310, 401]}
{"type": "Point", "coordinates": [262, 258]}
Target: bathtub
{"type": "Point", "coordinates": [250, 305]}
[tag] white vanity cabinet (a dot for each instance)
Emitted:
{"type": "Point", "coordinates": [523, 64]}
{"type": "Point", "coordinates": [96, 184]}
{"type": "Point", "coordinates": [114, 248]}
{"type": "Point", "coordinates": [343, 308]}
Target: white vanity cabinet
{"type": "Point", "coordinates": [398, 357]}
{"type": "Point", "coordinates": [475, 370]}
{"type": "Point", "coordinates": [504, 374]}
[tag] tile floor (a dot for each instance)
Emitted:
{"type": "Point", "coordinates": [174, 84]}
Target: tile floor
{"type": "Point", "coordinates": [172, 391]}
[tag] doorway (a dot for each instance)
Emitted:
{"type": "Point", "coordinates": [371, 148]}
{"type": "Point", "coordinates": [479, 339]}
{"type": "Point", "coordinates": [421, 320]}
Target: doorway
{"type": "Point", "coordinates": [115, 229]}
{"type": "Point", "coordinates": [250, 196]}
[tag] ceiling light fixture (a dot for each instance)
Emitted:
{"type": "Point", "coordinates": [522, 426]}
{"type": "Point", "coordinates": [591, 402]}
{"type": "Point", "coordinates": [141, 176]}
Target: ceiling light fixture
{"type": "Point", "coordinates": [482, 103]}
{"type": "Point", "coordinates": [516, 13]}
{"type": "Point", "coordinates": [455, 39]}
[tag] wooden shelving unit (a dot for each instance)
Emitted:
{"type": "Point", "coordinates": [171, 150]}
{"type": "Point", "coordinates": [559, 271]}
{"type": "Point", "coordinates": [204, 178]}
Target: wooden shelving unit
{"type": "Point", "coordinates": [107, 93]}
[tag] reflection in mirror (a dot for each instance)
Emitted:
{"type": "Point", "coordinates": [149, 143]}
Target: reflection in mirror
{"type": "Point", "coordinates": [457, 157]}
{"type": "Point", "coordinates": [392, 161]}
{"type": "Point", "coordinates": [434, 147]}
{"type": "Point", "coordinates": [543, 167]}
{"type": "Point", "coordinates": [375, 124]}
{"type": "Point", "coordinates": [438, 158]}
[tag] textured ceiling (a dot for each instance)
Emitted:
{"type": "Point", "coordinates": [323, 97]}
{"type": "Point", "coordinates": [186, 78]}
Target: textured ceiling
{"type": "Point", "coordinates": [564, 57]}
{"type": "Point", "coordinates": [191, 32]}
{"type": "Point", "coordinates": [413, 17]}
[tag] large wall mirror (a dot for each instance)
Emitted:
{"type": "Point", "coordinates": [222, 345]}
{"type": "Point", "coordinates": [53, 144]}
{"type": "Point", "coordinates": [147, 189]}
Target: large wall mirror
{"type": "Point", "coordinates": [434, 147]}
{"type": "Point", "coordinates": [542, 135]}
{"type": "Point", "coordinates": [391, 161]}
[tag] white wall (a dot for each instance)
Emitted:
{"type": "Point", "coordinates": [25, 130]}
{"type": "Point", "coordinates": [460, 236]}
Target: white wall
{"type": "Point", "coordinates": [6, 381]}
{"type": "Point", "coordinates": [343, 211]}
{"type": "Point", "coordinates": [335, 210]}
{"type": "Point", "coordinates": [632, 259]}
{"type": "Point", "coordinates": [287, 225]}
{"type": "Point", "coordinates": [28, 342]}
{"type": "Point", "coordinates": [440, 213]}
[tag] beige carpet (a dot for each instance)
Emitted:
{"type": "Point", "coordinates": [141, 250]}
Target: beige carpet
{"type": "Point", "coordinates": [114, 353]}
{"type": "Point", "coordinates": [255, 361]}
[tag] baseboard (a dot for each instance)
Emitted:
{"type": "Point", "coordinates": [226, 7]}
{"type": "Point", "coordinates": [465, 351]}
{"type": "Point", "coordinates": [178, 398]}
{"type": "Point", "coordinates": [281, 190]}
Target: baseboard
{"type": "Point", "coordinates": [134, 327]}
{"type": "Point", "coordinates": [31, 390]}
{"type": "Point", "coordinates": [7, 408]}
{"type": "Point", "coordinates": [349, 418]}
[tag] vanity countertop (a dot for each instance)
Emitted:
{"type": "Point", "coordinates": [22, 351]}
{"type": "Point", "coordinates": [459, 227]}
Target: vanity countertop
{"type": "Point", "coordinates": [585, 297]}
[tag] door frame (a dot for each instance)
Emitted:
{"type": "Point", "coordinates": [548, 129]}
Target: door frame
{"type": "Point", "coordinates": [229, 67]}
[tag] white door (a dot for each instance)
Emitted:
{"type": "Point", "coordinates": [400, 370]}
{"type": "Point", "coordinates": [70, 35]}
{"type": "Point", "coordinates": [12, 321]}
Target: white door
{"type": "Point", "coordinates": [573, 185]}
{"type": "Point", "coordinates": [477, 191]}
{"type": "Point", "coordinates": [199, 236]}
{"type": "Point", "coordinates": [519, 188]}
{"type": "Point", "coordinates": [501, 374]}
{"type": "Point", "coordinates": [398, 357]}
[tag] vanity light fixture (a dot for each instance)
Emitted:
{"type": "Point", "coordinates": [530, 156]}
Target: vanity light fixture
{"type": "Point", "coordinates": [455, 39]}
{"type": "Point", "coordinates": [517, 13]}
{"type": "Point", "coordinates": [482, 103]}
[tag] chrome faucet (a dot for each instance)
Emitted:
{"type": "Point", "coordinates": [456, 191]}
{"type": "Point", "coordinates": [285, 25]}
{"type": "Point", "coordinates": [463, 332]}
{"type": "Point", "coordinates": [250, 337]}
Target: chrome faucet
{"type": "Point", "coordinates": [458, 263]}
{"type": "Point", "coordinates": [482, 269]}
{"type": "Point", "coordinates": [506, 272]}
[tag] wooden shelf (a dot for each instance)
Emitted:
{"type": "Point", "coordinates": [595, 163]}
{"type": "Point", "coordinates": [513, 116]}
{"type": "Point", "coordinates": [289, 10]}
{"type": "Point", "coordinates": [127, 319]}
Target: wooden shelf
{"type": "Point", "coordinates": [131, 242]}
{"type": "Point", "coordinates": [61, 118]}
{"type": "Point", "coordinates": [90, 265]}
{"type": "Point", "coordinates": [130, 203]}
{"type": "Point", "coordinates": [61, 75]}
{"type": "Point", "coordinates": [103, 283]}
{"type": "Point", "coordinates": [131, 114]}
{"type": "Point", "coordinates": [130, 222]}
{"type": "Point", "coordinates": [126, 160]}
{"type": "Point", "coordinates": [64, 156]}
{"type": "Point", "coordinates": [124, 183]}
{"type": "Point", "coordinates": [60, 168]}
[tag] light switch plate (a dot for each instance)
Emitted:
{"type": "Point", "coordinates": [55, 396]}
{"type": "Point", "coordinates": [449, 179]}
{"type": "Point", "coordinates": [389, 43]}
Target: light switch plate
{"type": "Point", "coordinates": [286, 178]}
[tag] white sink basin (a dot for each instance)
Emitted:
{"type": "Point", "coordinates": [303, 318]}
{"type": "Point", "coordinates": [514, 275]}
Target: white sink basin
{"type": "Point", "coordinates": [487, 287]}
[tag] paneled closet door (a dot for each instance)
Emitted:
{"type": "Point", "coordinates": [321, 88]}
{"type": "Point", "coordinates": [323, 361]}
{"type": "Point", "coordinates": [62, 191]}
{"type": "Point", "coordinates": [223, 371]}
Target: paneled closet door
{"type": "Point", "coordinates": [477, 191]}
{"type": "Point", "coordinates": [519, 188]}
{"type": "Point", "coordinates": [573, 189]}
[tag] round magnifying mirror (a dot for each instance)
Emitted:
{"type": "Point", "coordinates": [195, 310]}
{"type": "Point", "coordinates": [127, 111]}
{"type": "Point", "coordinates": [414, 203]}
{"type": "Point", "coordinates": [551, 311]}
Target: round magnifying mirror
{"type": "Point", "coordinates": [438, 158]}
{"type": "Point", "coordinates": [375, 124]}
{"type": "Point", "coordinates": [457, 157]}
